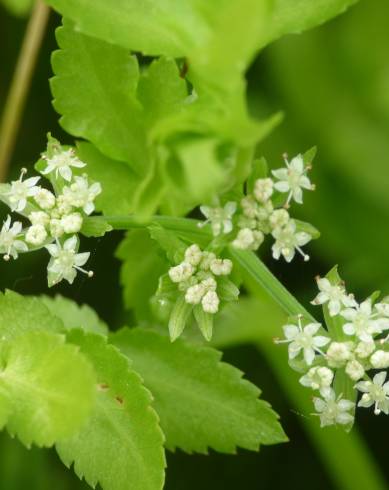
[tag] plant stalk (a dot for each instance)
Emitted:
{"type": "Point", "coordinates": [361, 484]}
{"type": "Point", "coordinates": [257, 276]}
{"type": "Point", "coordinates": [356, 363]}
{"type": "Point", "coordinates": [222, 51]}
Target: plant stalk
{"type": "Point", "coordinates": [15, 103]}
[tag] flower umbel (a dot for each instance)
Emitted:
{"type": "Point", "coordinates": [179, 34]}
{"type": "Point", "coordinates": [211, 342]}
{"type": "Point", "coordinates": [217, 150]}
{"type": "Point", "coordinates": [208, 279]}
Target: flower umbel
{"type": "Point", "coordinates": [293, 179]}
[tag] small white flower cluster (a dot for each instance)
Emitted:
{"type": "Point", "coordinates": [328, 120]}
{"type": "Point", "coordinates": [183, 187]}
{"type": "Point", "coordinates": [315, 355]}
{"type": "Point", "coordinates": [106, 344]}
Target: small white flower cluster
{"type": "Point", "coordinates": [257, 216]}
{"type": "Point", "coordinates": [54, 218]}
{"type": "Point", "coordinates": [196, 277]}
{"type": "Point", "coordinates": [362, 347]}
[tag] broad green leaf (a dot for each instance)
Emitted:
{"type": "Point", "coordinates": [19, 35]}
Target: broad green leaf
{"type": "Point", "coordinates": [20, 314]}
{"type": "Point", "coordinates": [121, 446]}
{"type": "Point", "coordinates": [74, 315]}
{"type": "Point", "coordinates": [48, 385]}
{"type": "Point", "coordinates": [202, 402]}
{"type": "Point", "coordinates": [142, 266]}
{"type": "Point", "coordinates": [299, 15]}
{"type": "Point", "coordinates": [94, 91]}
{"type": "Point", "coordinates": [117, 179]}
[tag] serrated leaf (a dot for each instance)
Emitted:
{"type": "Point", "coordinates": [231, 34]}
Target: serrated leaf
{"type": "Point", "coordinates": [21, 314]}
{"type": "Point", "coordinates": [95, 226]}
{"type": "Point", "coordinates": [111, 118]}
{"type": "Point", "coordinates": [142, 266]}
{"type": "Point", "coordinates": [49, 386]}
{"type": "Point", "coordinates": [117, 180]}
{"type": "Point", "coordinates": [74, 315]}
{"type": "Point", "coordinates": [121, 446]}
{"type": "Point", "coordinates": [202, 402]}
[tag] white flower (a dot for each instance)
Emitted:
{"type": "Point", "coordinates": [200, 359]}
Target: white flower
{"type": "Point", "coordinates": [209, 284]}
{"type": "Point", "coordinates": [221, 267]}
{"type": "Point", "coordinates": [21, 190]}
{"type": "Point", "coordinates": [71, 223]}
{"type": "Point", "coordinates": [364, 349]}
{"type": "Point", "coordinates": [338, 353]}
{"type": "Point", "coordinates": [279, 218]}
{"type": "Point", "coordinates": [39, 218]}
{"type": "Point", "coordinates": [82, 195]}
{"type": "Point", "coordinates": [210, 302]}
{"type": "Point", "coordinates": [375, 393]}
{"type": "Point", "coordinates": [64, 205]}
{"type": "Point", "coordinates": [292, 179]}
{"type": "Point", "coordinates": [248, 239]}
{"type": "Point", "coordinates": [44, 198]}
{"type": "Point", "coordinates": [382, 308]}
{"type": "Point", "coordinates": [65, 262]}
{"type": "Point", "coordinates": [288, 241]}
{"type": "Point", "coordinates": [206, 261]}
{"type": "Point", "coordinates": [194, 294]}
{"type": "Point", "coordinates": [10, 245]}
{"type": "Point", "coordinates": [56, 228]}
{"type": "Point", "coordinates": [361, 322]}
{"type": "Point", "coordinates": [36, 235]}
{"type": "Point", "coordinates": [355, 370]}
{"type": "Point", "coordinates": [181, 272]}
{"type": "Point", "coordinates": [333, 411]}
{"type": "Point", "coordinates": [263, 189]}
{"type": "Point", "coordinates": [61, 163]}
{"type": "Point", "coordinates": [193, 255]}
{"type": "Point", "coordinates": [334, 294]}
{"type": "Point", "coordinates": [219, 218]}
{"type": "Point", "coordinates": [318, 378]}
{"type": "Point", "coordinates": [300, 338]}
{"type": "Point", "coordinates": [380, 359]}
{"type": "Point", "coordinates": [249, 206]}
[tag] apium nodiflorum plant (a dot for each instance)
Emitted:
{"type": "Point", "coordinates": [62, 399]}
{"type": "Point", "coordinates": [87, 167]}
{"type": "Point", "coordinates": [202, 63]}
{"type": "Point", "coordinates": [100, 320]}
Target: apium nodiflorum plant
{"type": "Point", "coordinates": [161, 136]}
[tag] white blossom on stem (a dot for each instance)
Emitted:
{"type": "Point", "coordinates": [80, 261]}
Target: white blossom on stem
{"type": "Point", "coordinates": [82, 195]}
{"type": "Point", "coordinates": [10, 243]}
{"type": "Point", "coordinates": [361, 321]}
{"type": "Point", "coordinates": [65, 261]}
{"type": "Point", "coordinates": [21, 190]}
{"type": "Point", "coordinates": [293, 179]}
{"type": "Point", "coordinates": [334, 294]}
{"type": "Point", "coordinates": [304, 338]}
{"type": "Point", "coordinates": [220, 218]}
{"type": "Point", "coordinates": [288, 240]}
{"type": "Point", "coordinates": [61, 162]}
{"type": "Point", "coordinates": [333, 411]}
{"type": "Point", "coordinates": [375, 393]}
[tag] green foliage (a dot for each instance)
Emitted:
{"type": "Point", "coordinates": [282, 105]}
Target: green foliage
{"type": "Point", "coordinates": [121, 445]}
{"type": "Point", "coordinates": [74, 315]}
{"type": "Point", "coordinates": [202, 402]}
{"type": "Point", "coordinates": [19, 314]}
{"type": "Point", "coordinates": [142, 266]}
{"type": "Point", "coordinates": [47, 388]}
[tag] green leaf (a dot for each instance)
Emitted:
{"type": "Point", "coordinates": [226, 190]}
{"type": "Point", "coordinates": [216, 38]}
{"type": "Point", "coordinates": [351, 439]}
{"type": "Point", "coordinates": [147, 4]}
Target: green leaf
{"type": "Point", "coordinates": [168, 241]}
{"type": "Point", "coordinates": [300, 15]}
{"type": "Point", "coordinates": [74, 315]}
{"type": "Point", "coordinates": [20, 314]}
{"type": "Point", "coordinates": [121, 446]}
{"type": "Point", "coordinates": [49, 387]}
{"type": "Point", "coordinates": [141, 269]}
{"type": "Point", "coordinates": [117, 179]}
{"type": "Point", "coordinates": [94, 226]}
{"type": "Point", "coordinates": [307, 228]}
{"type": "Point", "coordinates": [94, 91]}
{"type": "Point", "coordinates": [202, 402]}
{"type": "Point", "coordinates": [179, 317]}
{"type": "Point", "coordinates": [204, 321]}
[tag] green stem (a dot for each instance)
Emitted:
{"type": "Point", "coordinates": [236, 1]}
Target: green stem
{"type": "Point", "coordinates": [21, 81]}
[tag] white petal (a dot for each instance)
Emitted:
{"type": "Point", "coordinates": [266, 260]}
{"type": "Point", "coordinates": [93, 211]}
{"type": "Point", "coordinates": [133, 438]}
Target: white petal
{"type": "Point", "coordinates": [305, 182]}
{"type": "Point", "coordinates": [349, 314]}
{"type": "Point", "coordinates": [334, 307]}
{"type": "Point", "coordinates": [365, 307]}
{"type": "Point", "coordinates": [282, 186]}
{"type": "Point", "coordinates": [312, 328]}
{"type": "Point", "coordinates": [293, 350]}
{"type": "Point", "coordinates": [320, 405]}
{"type": "Point", "coordinates": [281, 173]}
{"type": "Point", "coordinates": [320, 340]}
{"type": "Point", "coordinates": [349, 329]}
{"type": "Point", "coordinates": [32, 181]}
{"type": "Point", "coordinates": [66, 173]}
{"type": "Point", "coordinates": [363, 386]}
{"type": "Point", "coordinates": [302, 238]}
{"type": "Point", "coordinates": [344, 418]}
{"type": "Point", "coordinates": [298, 195]}
{"type": "Point", "coordinates": [297, 164]}
{"type": "Point", "coordinates": [70, 243]}
{"type": "Point", "coordinates": [345, 405]}
{"type": "Point", "coordinates": [321, 298]}
{"type": "Point", "coordinates": [291, 331]}
{"type": "Point", "coordinates": [53, 249]}
{"type": "Point", "coordinates": [81, 259]}
{"type": "Point", "coordinates": [324, 284]}
{"type": "Point", "coordinates": [379, 378]}
{"type": "Point", "coordinates": [309, 356]}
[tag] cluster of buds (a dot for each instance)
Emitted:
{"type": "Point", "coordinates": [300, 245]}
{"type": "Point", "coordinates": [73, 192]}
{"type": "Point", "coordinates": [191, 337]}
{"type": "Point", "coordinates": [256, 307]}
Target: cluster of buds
{"type": "Point", "coordinates": [262, 211]}
{"type": "Point", "coordinates": [196, 277]}
{"type": "Point", "coordinates": [50, 219]}
{"type": "Point", "coordinates": [355, 343]}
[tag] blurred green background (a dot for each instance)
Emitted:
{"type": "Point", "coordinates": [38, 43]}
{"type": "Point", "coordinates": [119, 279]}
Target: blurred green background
{"type": "Point", "coordinates": [333, 85]}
